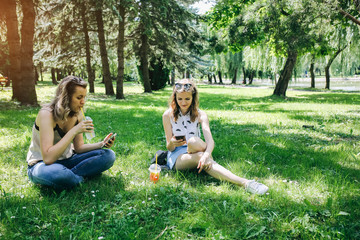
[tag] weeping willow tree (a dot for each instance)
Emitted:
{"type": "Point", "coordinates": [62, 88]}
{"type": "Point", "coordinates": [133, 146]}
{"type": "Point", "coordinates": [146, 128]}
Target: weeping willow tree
{"type": "Point", "coordinates": [348, 61]}
{"type": "Point", "coordinates": [233, 64]}
{"type": "Point", "coordinates": [287, 27]}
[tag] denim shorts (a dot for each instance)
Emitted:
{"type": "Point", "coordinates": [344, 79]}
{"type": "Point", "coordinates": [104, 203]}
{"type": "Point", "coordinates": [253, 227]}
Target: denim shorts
{"type": "Point", "coordinates": [172, 156]}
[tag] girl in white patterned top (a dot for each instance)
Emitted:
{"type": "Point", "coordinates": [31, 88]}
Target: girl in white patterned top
{"type": "Point", "coordinates": [187, 150]}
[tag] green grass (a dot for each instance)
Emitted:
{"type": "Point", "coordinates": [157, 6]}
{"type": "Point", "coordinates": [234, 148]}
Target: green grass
{"type": "Point", "coordinates": [313, 174]}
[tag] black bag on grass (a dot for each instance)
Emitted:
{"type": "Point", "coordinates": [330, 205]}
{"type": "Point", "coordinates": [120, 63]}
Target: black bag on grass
{"type": "Point", "coordinates": [161, 157]}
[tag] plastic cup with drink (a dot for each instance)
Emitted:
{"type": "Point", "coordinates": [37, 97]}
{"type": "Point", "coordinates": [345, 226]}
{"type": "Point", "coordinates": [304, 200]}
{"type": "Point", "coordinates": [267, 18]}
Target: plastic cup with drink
{"type": "Point", "coordinates": [88, 135]}
{"type": "Point", "coordinates": [154, 172]}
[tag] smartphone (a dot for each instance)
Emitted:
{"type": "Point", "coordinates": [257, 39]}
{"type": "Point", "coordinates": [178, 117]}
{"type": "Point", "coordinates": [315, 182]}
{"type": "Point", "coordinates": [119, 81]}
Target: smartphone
{"type": "Point", "coordinates": [180, 137]}
{"type": "Point", "coordinates": [109, 137]}
{"type": "Point", "coordinates": [112, 137]}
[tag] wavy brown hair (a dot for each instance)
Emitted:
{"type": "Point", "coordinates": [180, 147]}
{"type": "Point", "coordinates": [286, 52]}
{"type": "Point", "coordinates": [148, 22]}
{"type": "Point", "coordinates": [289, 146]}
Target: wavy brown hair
{"type": "Point", "coordinates": [60, 105]}
{"type": "Point", "coordinates": [194, 107]}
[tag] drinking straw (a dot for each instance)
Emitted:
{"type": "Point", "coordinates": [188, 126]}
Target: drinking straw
{"type": "Point", "coordinates": [156, 163]}
{"type": "Point", "coordinates": [83, 113]}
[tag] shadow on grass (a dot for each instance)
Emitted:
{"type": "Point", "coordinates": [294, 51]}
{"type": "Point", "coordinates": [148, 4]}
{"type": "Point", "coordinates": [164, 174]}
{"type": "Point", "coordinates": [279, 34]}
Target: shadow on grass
{"type": "Point", "coordinates": [171, 211]}
{"type": "Point", "coordinates": [58, 210]}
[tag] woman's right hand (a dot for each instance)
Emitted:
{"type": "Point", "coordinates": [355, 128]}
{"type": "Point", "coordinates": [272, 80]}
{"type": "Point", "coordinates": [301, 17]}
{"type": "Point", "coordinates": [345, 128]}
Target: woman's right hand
{"type": "Point", "coordinates": [177, 143]}
{"type": "Point", "coordinates": [85, 126]}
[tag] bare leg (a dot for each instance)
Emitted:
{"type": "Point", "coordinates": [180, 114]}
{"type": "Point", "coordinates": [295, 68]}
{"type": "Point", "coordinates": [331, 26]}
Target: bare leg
{"type": "Point", "coordinates": [196, 144]}
{"type": "Point", "coordinates": [196, 148]}
{"type": "Point", "coordinates": [219, 172]}
{"type": "Point", "coordinates": [190, 161]}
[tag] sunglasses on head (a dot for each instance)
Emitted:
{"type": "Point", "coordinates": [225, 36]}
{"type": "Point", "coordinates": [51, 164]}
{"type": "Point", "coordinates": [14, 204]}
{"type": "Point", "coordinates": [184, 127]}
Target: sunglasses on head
{"type": "Point", "coordinates": [185, 86]}
{"type": "Point", "coordinates": [77, 79]}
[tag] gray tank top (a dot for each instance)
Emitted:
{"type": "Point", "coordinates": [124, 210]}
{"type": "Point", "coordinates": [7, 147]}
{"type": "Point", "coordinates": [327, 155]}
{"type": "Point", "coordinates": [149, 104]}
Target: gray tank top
{"type": "Point", "coordinates": [34, 153]}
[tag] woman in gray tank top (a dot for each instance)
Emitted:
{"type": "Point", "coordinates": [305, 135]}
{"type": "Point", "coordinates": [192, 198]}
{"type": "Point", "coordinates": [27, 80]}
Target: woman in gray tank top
{"type": "Point", "coordinates": [57, 155]}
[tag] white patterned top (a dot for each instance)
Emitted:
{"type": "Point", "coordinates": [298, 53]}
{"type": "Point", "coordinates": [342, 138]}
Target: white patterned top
{"type": "Point", "coordinates": [184, 127]}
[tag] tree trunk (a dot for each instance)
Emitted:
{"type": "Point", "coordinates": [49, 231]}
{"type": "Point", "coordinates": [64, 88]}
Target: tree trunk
{"type": "Point", "coordinates": [109, 90]}
{"type": "Point", "coordinates": [13, 39]}
{"type": "Point", "coordinates": [282, 84]}
{"type": "Point", "coordinates": [36, 75]}
{"type": "Point", "coordinates": [214, 76]}
{"type": "Point", "coordinates": [53, 78]}
{"type": "Point", "coordinates": [327, 67]}
{"type": "Point", "coordinates": [251, 76]}
{"type": "Point", "coordinates": [144, 61]}
{"type": "Point", "coordinates": [234, 77]}
{"type": "Point", "coordinates": [121, 57]}
{"type": "Point", "coordinates": [58, 75]}
{"type": "Point", "coordinates": [173, 77]}
{"type": "Point", "coordinates": [327, 76]}
{"type": "Point", "coordinates": [209, 78]}
{"type": "Point", "coordinates": [312, 73]}
{"type": "Point", "coordinates": [220, 78]}
{"type": "Point", "coordinates": [90, 73]}
{"type": "Point", "coordinates": [41, 71]}
{"type": "Point", "coordinates": [244, 73]}
{"type": "Point", "coordinates": [27, 85]}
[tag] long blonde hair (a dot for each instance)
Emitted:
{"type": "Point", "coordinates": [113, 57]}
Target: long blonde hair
{"type": "Point", "coordinates": [60, 105]}
{"type": "Point", "coordinates": [194, 107]}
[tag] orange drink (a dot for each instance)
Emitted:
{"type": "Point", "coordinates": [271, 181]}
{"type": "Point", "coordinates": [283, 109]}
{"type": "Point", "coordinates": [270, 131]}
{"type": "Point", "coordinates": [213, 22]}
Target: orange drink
{"type": "Point", "coordinates": [154, 177]}
{"type": "Point", "coordinates": [154, 172]}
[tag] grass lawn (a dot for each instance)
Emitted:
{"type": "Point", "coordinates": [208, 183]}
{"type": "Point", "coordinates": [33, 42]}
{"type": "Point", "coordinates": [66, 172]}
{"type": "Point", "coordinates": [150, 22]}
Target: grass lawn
{"type": "Point", "coordinates": [313, 173]}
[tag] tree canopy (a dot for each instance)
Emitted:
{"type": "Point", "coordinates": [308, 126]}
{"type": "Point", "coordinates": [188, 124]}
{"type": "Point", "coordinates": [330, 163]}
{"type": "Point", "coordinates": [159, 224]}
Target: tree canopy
{"type": "Point", "coordinates": [130, 39]}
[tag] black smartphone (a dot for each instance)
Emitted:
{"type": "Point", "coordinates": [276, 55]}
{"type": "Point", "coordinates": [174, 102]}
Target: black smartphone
{"type": "Point", "coordinates": [180, 137]}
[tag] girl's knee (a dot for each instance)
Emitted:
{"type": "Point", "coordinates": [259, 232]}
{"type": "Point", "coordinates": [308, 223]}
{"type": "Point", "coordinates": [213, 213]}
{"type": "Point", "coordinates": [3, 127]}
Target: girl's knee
{"type": "Point", "coordinates": [193, 140]}
{"type": "Point", "coordinates": [55, 175]}
{"type": "Point", "coordinates": [109, 157]}
{"type": "Point", "coordinates": [195, 144]}
{"type": "Point", "coordinates": [109, 154]}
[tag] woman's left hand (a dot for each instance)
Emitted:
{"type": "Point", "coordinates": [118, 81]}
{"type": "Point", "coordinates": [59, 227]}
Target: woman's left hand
{"type": "Point", "coordinates": [108, 143]}
{"type": "Point", "coordinates": [205, 162]}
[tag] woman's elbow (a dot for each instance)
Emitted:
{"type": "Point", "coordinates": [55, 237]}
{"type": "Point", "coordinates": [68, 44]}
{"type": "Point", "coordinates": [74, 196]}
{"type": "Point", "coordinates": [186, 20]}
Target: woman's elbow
{"type": "Point", "coordinates": [80, 149]}
{"type": "Point", "coordinates": [48, 161]}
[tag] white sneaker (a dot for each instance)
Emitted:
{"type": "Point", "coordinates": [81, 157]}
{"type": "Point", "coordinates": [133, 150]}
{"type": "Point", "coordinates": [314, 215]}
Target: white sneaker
{"type": "Point", "coordinates": [257, 188]}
